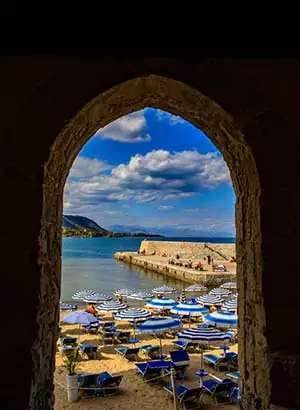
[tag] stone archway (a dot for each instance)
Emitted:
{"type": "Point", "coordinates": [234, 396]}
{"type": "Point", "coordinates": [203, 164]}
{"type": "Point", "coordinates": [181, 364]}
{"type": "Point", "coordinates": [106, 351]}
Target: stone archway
{"type": "Point", "coordinates": [179, 99]}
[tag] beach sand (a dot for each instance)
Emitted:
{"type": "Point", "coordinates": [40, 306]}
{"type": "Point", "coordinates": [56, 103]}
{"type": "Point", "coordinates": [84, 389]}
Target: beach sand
{"type": "Point", "coordinates": [135, 393]}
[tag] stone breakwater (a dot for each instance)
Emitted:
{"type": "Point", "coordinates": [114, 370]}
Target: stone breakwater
{"type": "Point", "coordinates": [157, 254]}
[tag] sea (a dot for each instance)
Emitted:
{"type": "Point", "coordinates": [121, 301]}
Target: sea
{"type": "Point", "coordinates": [88, 263]}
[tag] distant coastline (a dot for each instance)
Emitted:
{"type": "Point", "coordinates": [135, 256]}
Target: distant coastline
{"type": "Point", "coordinates": [86, 233]}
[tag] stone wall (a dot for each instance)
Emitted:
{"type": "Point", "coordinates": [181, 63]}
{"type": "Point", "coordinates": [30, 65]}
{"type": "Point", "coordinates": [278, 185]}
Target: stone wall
{"type": "Point", "coordinates": [189, 249]}
{"type": "Point", "coordinates": [51, 106]}
{"type": "Point", "coordinates": [208, 279]}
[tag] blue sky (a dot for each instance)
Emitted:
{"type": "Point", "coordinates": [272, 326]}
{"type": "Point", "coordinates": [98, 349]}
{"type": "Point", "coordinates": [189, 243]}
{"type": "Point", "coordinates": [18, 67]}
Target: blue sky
{"type": "Point", "coordinates": [152, 171]}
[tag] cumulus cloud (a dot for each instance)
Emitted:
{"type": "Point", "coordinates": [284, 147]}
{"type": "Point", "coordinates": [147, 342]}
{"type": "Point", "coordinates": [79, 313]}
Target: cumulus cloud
{"type": "Point", "coordinates": [130, 128]}
{"type": "Point", "coordinates": [157, 176]}
{"type": "Point", "coordinates": [165, 207]}
{"type": "Point", "coordinates": [87, 167]}
{"type": "Point", "coordinates": [171, 118]}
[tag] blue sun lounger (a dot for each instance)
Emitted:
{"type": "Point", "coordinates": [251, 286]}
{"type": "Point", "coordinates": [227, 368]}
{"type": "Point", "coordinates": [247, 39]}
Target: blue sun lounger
{"type": "Point", "coordinates": [128, 352]}
{"type": "Point", "coordinates": [220, 391]}
{"type": "Point", "coordinates": [68, 340]}
{"type": "Point", "coordinates": [180, 361]}
{"type": "Point", "coordinates": [99, 383]}
{"type": "Point", "coordinates": [188, 397]}
{"type": "Point", "coordinates": [153, 369]}
{"type": "Point", "coordinates": [234, 375]}
{"type": "Point", "coordinates": [220, 361]}
{"type": "Point", "coordinates": [89, 350]}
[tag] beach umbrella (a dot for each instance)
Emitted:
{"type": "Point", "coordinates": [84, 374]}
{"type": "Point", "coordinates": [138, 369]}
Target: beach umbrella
{"type": "Point", "coordinates": [222, 319]}
{"type": "Point", "coordinates": [123, 292]}
{"type": "Point", "coordinates": [67, 306]}
{"type": "Point", "coordinates": [133, 315]}
{"type": "Point", "coordinates": [161, 303]}
{"type": "Point", "coordinates": [164, 289]}
{"type": "Point", "coordinates": [113, 306]}
{"type": "Point", "coordinates": [197, 287]}
{"type": "Point", "coordinates": [79, 318]}
{"type": "Point", "coordinates": [204, 335]}
{"type": "Point", "coordinates": [82, 294]}
{"type": "Point", "coordinates": [229, 285]}
{"type": "Point", "coordinates": [210, 300]}
{"type": "Point", "coordinates": [230, 305]}
{"type": "Point", "coordinates": [141, 295]}
{"type": "Point", "coordinates": [97, 298]}
{"type": "Point", "coordinates": [183, 298]}
{"type": "Point", "coordinates": [191, 309]}
{"type": "Point", "coordinates": [222, 292]}
{"type": "Point", "coordinates": [159, 326]}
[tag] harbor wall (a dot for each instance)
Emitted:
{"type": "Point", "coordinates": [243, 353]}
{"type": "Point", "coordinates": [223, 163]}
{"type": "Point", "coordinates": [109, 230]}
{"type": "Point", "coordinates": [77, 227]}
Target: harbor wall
{"type": "Point", "coordinates": [209, 279]}
{"type": "Point", "coordinates": [194, 250]}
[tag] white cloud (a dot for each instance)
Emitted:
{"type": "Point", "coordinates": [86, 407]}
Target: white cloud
{"type": "Point", "coordinates": [157, 176]}
{"type": "Point", "coordinates": [87, 167]}
{"type": "Point", "coordinates": [165, 207]}
{"type": "Point", "coordinates": [172, 119]}
{"type": "Point", "coordinates": [130, 128]}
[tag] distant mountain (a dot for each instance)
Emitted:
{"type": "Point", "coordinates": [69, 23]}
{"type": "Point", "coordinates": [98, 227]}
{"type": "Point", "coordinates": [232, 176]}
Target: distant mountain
{"type": "Point", "coordinates": [81, 226]}
{"type": "Point", "coordinates": [82, 222]}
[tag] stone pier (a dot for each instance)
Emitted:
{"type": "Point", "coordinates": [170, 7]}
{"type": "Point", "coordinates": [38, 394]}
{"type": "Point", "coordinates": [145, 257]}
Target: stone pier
{"type": "Point", "coordinates": [158, 262]}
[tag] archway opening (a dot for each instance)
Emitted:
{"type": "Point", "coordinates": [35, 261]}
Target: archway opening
{"type": "Point", "coordinates": [149, 172]}
{"type": "Point", "coordinates": [180, 100]}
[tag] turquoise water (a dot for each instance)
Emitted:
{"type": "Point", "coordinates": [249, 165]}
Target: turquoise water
{"type": "Point", "coordinates": [88, 263]}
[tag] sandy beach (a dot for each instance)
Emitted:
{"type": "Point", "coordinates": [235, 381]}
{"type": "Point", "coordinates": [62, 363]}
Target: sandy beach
{"type": "Point", "coordinates": [134, 392]}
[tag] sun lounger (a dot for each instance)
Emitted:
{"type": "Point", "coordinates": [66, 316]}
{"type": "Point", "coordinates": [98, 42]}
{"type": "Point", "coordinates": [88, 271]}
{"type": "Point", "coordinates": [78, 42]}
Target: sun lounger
{"type": "Point", "coordinates": [185, 345]}
{"type": "Point", "coordinates": [98, 384]}
{"type": "Point", "coordinates": [107, 337]}
{"type": "Point", "coordinates": [89, 350]}
{"type": "Point", "coordinates": [188, 397]}
{"type": "Point", "coordinates": [220, 391]}
{"type": "Point", "coordinates": [152, 370]}
{"type": "Point", "coordinates": [227, 361]}
{"type": "Point", "coordinates": [180, 361]}
{"type": "Point", "coordinates": [233, 375]}
{"type": "Point", "coordinates": [68, 341]}
{"type": "Point", "coordinates": [92, 328]}
{"type": "Point", "coordinates": [128, 352]}
{"type": "Point", "coordinates": [122, 337]}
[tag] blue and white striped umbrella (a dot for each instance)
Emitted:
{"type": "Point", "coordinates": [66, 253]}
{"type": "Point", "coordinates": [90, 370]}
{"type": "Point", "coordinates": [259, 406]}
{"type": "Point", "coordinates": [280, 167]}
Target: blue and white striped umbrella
{"type": "Point", "coordinates": [133, 314]}
{"type": "Point", "coordinates": [164, 289]}
{"type": "Point", "coordinates": [123, 292]}
{"type": "Point", "coordinates": [210, 300]}
{"type": "Point", "coordinates": [222, 292]}
{"type": "Point", "coordinates": [141, 295]}
{"type": "Point", "coordinates": [197, 287]}
{"type": "Point", "coordinates": [161, 303]}
{"type": "Point", "coordinates": [229, 285]}
{"type": "Point", "coordinates": [191, 309]}
{"type": "Point", "coordinates": [203, 335]}
{"type": "Point", "coordinates": [80, 318]}
{"type": "Point", "coordinates": [82, 294]}
{"type": "Point", "coordinates": [222, 319]}
{"type": "Point", "coordinates": [67, 306]}
{"type": "Point", "coordinates": [230, 305]}
{"type": "Point", "coordinates": [159, 325]}
{"type": "Point", "coordinates": [97, 298]}
{"type": "Point", "coordinates": [113, 306]}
